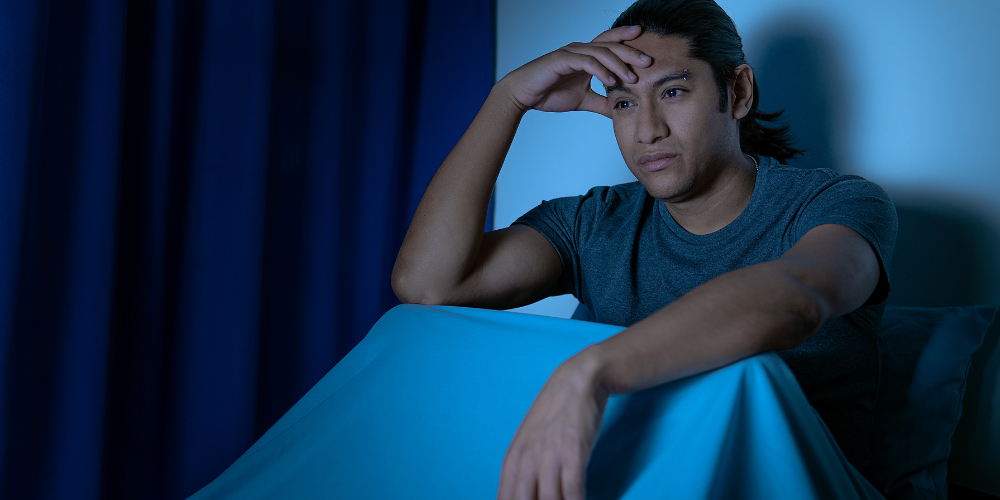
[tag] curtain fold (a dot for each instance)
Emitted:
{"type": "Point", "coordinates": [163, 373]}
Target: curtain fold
{"type": "Point", "coordinates": [200, 204]}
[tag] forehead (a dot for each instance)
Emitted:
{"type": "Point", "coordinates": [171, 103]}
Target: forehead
{"type": "Point", "coordinates": [669, 53]}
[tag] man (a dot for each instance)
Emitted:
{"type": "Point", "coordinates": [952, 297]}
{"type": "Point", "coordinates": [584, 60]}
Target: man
{"type": "Point", "coordinates": [717, 253]}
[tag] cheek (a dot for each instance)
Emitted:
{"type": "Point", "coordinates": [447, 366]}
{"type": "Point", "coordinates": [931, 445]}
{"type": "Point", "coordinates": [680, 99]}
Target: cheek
{"type": "Point", "coordinates": [697, 130]}
{"type": "Point", "coordinates": [623, 134]}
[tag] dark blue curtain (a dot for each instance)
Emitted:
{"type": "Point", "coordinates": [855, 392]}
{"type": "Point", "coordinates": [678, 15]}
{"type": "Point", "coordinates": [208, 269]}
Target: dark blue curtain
{"type": "Point", "coordinates": [200, 204]}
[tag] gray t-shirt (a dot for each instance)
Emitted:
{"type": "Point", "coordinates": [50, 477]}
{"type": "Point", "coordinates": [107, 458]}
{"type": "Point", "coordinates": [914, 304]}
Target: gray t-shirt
{"type": "Point", "coordinates": [624, 257]}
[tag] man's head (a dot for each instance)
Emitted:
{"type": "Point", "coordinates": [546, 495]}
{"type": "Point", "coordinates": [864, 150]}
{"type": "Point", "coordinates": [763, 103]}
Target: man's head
{"type": "Point", "coordinates": [668, 125]}
{"type": "Point", "coordinates": [712, 38]}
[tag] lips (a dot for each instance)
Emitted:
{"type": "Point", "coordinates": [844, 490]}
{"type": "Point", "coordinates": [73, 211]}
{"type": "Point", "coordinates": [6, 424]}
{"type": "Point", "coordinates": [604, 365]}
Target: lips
{"type": "Point", "coordinates": [651, 162]}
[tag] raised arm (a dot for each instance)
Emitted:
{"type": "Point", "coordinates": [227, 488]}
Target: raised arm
{"type": "Point", "coordinates": [445, 257]}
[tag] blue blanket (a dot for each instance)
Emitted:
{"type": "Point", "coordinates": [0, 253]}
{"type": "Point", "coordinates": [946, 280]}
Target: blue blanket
{"type": "Point", "coordinates": [426, 405]}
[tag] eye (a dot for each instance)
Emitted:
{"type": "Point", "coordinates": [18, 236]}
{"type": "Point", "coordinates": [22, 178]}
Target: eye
{"type": "Point", "coordinates": [673, 92]}
{"type": "Point", "coordinates": [624, 104]}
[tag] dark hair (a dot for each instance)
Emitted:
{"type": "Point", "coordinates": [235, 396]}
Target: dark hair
{"type": "Point", "coordinates": [712, 38]}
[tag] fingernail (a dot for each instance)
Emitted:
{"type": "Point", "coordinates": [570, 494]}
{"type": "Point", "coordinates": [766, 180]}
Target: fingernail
{"type": "Point", "coordinates": [631, 76]}
{"type": "Point", "coordinates": [633, 28]}
{"type": "Point", "coordinates": [612, 79]}
{"type": "Point", "coordinates": [644, 57]}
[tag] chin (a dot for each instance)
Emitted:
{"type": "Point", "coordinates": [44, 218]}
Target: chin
{"type": "Point", "coordinates": [663, 189]}
{"type": "Point", "coordinates": [663, 193]}
{"type": "Point", "coordinates": [667, 185]}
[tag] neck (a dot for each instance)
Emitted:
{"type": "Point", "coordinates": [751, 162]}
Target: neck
{"type": "Point", "coordinates": [721, 202]}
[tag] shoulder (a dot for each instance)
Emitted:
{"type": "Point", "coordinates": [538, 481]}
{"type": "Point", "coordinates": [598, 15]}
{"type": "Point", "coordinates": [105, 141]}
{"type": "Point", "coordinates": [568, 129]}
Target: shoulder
{"type": "Point", "coordinates": [806, 198]}
{"type": "Point", "coordinates": [619, 193]}
{"type": "Point", "coordinates": [810, 185]}
{"type": "Point", "coordinates": [617, 205]}
{"type": "Point", "coordinates": [597, 204]}
{"type": "Point", "coordinates": [821, 196]}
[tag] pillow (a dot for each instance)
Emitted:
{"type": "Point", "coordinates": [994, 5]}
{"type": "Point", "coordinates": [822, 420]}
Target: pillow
{"type": "Point", "coordinates": [925, 361]}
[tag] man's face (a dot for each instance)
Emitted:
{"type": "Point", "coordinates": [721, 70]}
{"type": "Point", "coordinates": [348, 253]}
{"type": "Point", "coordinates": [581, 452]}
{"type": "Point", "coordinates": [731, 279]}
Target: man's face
{"type": "Point", "coordinates": [668, 125]}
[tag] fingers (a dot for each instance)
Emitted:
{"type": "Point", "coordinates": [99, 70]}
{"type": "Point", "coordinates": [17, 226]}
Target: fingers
{"type": "Point", "coordinates": [615, 56]}
{"type": "Point", "coordinates": [596, 103]}
{"type": "Point", "coordinates": [578, 61]}
{"type": "Point", "coordinates": [572, 479]}
{"type": "Point", "coordinates": [558, 81]}
{"type": "Point", "coordinates": [619, 34]}
{"type": "Point", "coordinates": [548, 481]}
{"type": "Point", "coordinates": [604, 57]}
{"type": "Point", "coordinates": [507, 477]}
{"type": "Point", "coordinates": [518, 476]}
{"type": "Point", "coordinates": [525, 486]}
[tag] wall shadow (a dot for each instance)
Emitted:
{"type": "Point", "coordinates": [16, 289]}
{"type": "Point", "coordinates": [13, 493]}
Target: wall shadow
{"type": "Point", "coordinates": [945, 253]}
{"type": "Point", "coordinates": [947, 249]}
{"type": "Point", "coordinates": [798, 70]}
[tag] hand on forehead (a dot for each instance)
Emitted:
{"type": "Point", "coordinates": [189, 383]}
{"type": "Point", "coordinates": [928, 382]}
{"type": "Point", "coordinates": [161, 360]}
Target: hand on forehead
{"type": "Point", "coordinates": [669, 55]}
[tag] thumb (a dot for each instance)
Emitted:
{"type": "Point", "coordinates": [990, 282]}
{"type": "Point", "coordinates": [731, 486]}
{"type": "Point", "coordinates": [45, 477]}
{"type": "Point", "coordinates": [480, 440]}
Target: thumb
{"type": "Point", "coordinates": [596, 103]}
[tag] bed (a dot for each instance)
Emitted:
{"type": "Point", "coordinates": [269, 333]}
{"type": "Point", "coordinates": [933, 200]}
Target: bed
{"type": "Point", "coordinates": [426, 404]}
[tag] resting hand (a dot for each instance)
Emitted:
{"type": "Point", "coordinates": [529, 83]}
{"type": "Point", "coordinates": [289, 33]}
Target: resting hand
{"type": "Point", "coordinates": [547, 459]}
{"type": "Point", "coordinates": [560, 80]}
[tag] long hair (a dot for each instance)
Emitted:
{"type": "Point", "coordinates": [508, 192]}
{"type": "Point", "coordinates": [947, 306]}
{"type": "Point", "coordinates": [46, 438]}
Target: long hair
{"type": "Point", "coordinates": [712, 38]}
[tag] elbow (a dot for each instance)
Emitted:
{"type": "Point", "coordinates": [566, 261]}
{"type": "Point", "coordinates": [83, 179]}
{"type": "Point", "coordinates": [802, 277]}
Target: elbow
{"type": "Point", "coordinates": [813, 314]}
{"type": "Point", "coordinates": [410, 290]}
{"type": "Point", "coordinates": [406, 291]}
{"type": "Point", "coordinates": [809, 313]}
{"type": "Point", "coordinates": [804, 310]}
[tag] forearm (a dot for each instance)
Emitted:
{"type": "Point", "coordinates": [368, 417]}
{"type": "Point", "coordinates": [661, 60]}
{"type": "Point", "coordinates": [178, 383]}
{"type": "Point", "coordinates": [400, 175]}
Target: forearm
{"type": "Point", "coordinates": [442, 244]}
{"type": "Point", "coordinates": [751, 310]}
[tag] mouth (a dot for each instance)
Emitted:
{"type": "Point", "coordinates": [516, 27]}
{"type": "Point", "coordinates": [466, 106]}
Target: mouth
{"type": "Point", "coordinates": [651, 162]}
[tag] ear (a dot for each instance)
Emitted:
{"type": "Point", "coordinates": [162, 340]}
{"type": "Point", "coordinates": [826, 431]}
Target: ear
{"type": "Point", "coordinates": [743, 97]}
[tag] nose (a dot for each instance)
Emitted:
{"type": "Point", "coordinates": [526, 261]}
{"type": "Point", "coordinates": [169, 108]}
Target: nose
{"type": "Point", "coordinates": [652, 125]}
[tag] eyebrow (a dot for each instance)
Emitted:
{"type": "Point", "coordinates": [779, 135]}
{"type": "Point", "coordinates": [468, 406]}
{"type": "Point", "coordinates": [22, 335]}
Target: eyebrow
{"type": "Point", "coordinates": [681, 75]}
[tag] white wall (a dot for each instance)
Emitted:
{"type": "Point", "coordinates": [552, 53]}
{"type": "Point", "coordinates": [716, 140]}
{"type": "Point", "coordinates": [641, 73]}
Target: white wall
{"type": "Point", "coordinates": [902, 93]}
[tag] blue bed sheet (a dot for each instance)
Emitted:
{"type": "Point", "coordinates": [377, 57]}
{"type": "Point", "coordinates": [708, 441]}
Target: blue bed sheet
{"type": "Point", "coordinates": [426, 405]}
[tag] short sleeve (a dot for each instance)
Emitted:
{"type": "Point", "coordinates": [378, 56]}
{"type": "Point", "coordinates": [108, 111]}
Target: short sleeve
{"type": "Point", "coordinates": [863, 206]}
{"type": "Point", "coordinates": [558, 221]}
